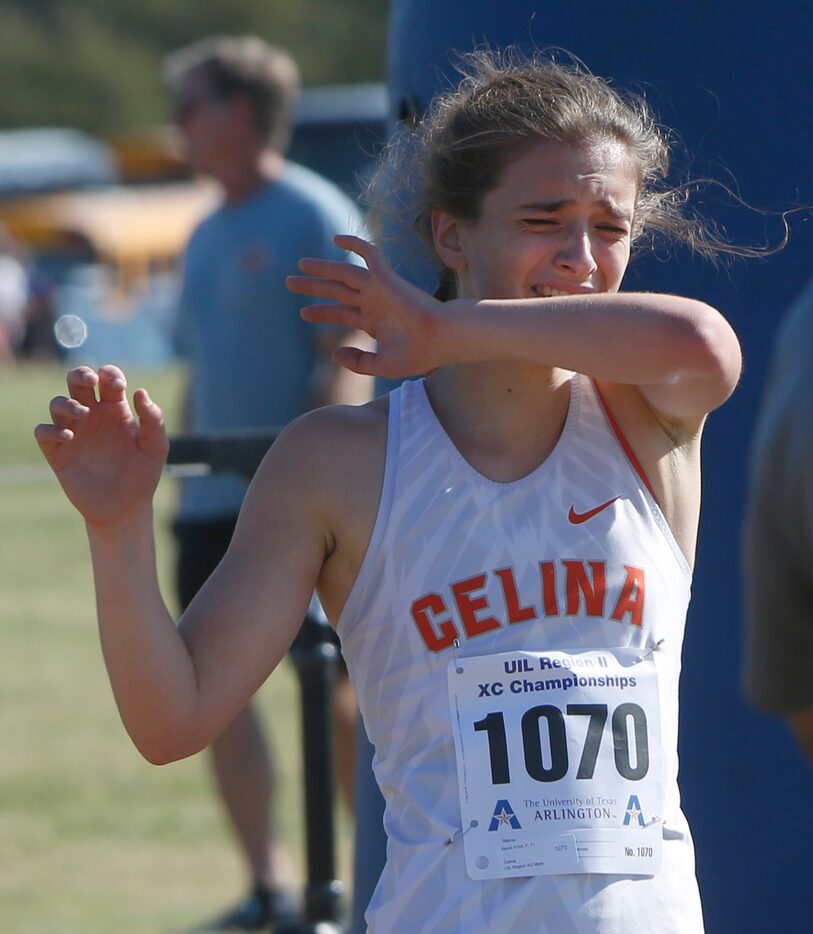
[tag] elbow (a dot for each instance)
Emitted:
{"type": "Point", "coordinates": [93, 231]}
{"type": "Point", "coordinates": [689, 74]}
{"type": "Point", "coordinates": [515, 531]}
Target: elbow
{"type": "Point", "coordinates": [164, 749]}
{"type": "Point", "coordinates": [160, 755]}
{"type": "Point", "coordinates": [713, 355]}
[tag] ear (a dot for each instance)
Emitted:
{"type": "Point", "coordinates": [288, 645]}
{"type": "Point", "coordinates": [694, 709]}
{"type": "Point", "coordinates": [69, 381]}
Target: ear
{"type": "Point", "coordinates": [447, 240]}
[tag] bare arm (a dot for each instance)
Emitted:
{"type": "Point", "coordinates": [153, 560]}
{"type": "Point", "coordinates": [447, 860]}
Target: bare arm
{"type": "Point", "coordinates": [681, 354]}
{"type": "Point", "coordinates": [177, 688]}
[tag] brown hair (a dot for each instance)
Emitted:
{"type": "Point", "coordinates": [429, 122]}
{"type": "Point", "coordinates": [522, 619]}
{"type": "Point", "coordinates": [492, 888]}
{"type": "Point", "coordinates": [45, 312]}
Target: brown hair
{"type": "Point", "coordinates": [247, 66]}
{"type": "Point", "coordinates": [456, 154]}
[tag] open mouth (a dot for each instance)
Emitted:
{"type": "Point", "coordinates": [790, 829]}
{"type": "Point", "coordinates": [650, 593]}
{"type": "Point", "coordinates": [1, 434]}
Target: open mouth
{"type": "Point", "coordinates": [545, 291]}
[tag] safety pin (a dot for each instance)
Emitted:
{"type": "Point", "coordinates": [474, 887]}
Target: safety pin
{"type": "Point", "coordinates": [459, 833]}
{"type": "Point", "coordinates": [652, 648]}
{"type": "Point", "coordinates": [457, 668]}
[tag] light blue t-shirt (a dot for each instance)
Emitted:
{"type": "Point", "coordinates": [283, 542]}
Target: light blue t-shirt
{"type": "Point", "coordinates": [251, 355]}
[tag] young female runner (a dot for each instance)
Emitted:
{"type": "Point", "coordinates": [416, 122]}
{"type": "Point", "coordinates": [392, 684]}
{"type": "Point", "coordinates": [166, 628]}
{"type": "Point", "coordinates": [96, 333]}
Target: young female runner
{"type": "Point", "coordinates": [504, 547]}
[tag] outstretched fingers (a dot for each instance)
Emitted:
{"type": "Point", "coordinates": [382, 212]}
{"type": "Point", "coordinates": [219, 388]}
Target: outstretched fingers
{"type": "Point", "coordinates": [65, 414]}
{"type": "Point", "coordinates": [332, 314]}
{"type": "Point", "coordinates": [49, 437]}
{"type": "Point", "coordinates": [349, 274]}
{"type": "Point", "coordinates": [106, 455]}
{"type": "Point", "coordinates": [328, 289]}
{"type": "Point", "coordinates": [69, 413]}
{"type": "Point", "coordinates": [365, 362]}
{"type": "Point", "coordinates": [82, 382]}
{"type": "Point", "coordinates": [153, 436]}
{"type": "Point", "coordinates": [112, 384]}
{"type": "Point", "coordinates": [336, 282]}
{"type": "Point", "coordinates": [369, 252]}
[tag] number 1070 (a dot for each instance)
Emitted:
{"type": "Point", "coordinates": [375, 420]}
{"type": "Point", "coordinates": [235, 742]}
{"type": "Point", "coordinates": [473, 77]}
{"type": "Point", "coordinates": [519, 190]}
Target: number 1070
{"type": "Point", "coordinates": [624, 716]}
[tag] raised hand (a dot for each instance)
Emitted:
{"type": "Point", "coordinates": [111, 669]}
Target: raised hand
{"type": "Point", "coordinates": [108, 461]}
{"type": "Point", "coordinates": [399, 316]}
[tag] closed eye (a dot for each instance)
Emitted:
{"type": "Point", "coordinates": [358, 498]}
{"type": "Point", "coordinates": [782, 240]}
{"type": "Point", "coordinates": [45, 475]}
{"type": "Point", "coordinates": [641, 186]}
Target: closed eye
{"type": "Point", "coordinates": [613, 229]}
{"type": "Point", "coordinates": [540, 221]}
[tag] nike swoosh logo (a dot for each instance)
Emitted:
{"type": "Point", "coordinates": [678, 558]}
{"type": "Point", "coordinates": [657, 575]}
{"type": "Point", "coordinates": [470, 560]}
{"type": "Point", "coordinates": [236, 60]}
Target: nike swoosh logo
{"type": "Point", "coordinates": [578, 517]}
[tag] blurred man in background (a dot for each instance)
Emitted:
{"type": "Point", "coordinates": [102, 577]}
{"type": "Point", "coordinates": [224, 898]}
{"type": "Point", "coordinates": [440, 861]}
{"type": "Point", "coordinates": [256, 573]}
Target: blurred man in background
{"type": "Point", "coordinates": [779, 533]}
{"type": "Point", "coordinates": [254, 364]}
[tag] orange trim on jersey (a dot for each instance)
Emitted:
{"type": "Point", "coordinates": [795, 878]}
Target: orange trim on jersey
{"type": "Point", "coordinates": [623, 441]}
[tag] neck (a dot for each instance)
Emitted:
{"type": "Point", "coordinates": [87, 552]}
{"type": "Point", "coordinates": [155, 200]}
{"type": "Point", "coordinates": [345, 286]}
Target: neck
{"type": "Point", "coordinates": [497, 384]}
{"type": "Point", "coordinates": [504, 418]}
{"type": "Point", "coordinates": [242, 181]}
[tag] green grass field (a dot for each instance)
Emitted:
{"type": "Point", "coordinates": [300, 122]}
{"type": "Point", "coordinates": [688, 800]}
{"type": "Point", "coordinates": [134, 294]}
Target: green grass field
{"type": "Point", "coordinates": [93, 838]}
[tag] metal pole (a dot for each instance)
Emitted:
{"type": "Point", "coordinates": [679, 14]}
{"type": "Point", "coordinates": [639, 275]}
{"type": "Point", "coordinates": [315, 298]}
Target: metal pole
{"type": "Point", "coordinates": [315, 654]}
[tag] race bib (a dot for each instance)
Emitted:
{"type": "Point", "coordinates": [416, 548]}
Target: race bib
{"type": "Point", "coordinates": [558, 762]}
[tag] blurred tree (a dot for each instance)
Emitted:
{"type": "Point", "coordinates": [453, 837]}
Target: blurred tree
{"type": "Point", "coordinates": [95, 64]}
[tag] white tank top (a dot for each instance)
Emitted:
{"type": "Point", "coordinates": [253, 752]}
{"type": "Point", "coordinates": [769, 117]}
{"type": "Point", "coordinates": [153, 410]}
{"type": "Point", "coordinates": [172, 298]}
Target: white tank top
{"type": "Point", "coordinates": [576, 554]}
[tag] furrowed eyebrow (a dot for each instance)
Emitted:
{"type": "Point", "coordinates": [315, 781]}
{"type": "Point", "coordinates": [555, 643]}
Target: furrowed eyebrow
{"type": "Point", "coordinates": [546, 207]}
{"type": "Point", "coordinates": [551, 207]}
{"type": "Point", "coordinates": [616, 212]}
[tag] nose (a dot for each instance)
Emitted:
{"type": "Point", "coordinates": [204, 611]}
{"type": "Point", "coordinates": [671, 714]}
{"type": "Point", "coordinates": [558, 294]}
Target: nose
{"type": "Point", "coordinates": [575, 255]}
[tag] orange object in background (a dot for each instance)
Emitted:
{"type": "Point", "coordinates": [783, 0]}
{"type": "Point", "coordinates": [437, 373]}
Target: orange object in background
{"type": "Point", "coordinates": [135, 230]}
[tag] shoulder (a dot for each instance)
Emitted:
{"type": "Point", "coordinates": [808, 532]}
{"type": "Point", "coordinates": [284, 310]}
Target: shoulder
{"type": "Point", "coordinates": [301, 179]}
{"type": "Point", "coordinates": [337, 428]}
{"type": "Point", "coordinates": [205, 230]}
{"type": "Point", "coordinates": [317, 194]}
{"type": "Point", "coordinates": [323, 458]}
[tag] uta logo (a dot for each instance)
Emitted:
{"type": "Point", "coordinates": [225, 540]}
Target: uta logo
{"type": "Point", "coordinates": [578, 517]}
